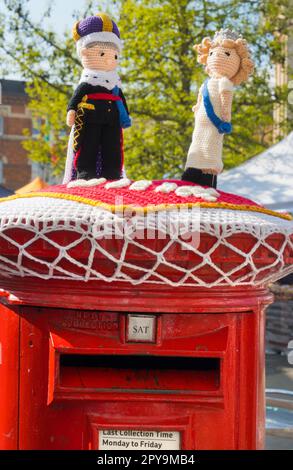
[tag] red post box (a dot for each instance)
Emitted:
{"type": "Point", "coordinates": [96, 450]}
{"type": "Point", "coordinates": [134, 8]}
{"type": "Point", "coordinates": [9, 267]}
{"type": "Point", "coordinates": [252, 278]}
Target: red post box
{"type": "Point", "coordinates": [119, 360]}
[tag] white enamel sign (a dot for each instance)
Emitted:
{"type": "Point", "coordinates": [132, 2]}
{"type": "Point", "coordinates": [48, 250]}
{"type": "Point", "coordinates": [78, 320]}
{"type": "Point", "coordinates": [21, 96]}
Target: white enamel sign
{"type": "Point", "coordinates": [128, 439]}
{"type": "Point", "coordinates": [141, 328]}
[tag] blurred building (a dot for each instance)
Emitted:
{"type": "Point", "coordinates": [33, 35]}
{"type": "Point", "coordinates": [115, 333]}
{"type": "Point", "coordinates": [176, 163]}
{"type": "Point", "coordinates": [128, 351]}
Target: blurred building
{"type": "Point", "coordinates": [279, 320]}
{"type": "Point", "coordinates": [284, 77]}
{"type": "Point", "coordinates": [15, 168]}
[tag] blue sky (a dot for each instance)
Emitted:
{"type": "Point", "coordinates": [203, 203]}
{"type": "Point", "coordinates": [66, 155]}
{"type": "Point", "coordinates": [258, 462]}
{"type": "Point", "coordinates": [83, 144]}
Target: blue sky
{"type": "Point", "coordinates": [61, 13]}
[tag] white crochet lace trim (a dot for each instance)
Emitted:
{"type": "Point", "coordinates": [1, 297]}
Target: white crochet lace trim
{"type": "Point", "coordinates": [40, 216]}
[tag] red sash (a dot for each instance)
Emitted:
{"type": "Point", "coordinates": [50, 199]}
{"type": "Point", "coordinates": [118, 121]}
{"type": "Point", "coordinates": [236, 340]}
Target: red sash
{"type": "Point", "coordinates": [103, 96]}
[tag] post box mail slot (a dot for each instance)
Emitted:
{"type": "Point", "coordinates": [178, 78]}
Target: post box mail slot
{"type": "Point", "coordinates": [132, 373]}
{"type": "Point", "coordinates": [186, 359]}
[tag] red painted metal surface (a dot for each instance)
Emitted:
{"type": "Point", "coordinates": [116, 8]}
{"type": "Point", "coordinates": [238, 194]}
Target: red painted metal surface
{"type": "Point", "coordinates": [9, 377]}
{"type": "Point", "coordinates": [67, 369]}
{"type": "Point", "coordinates": [204, 375]}
{"type": "Point", "coordinates": [93, 295]}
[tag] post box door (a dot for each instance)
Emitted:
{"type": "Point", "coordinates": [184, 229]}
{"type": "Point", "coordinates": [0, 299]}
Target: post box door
{"type": "Point", "coordinates": [91, 380]}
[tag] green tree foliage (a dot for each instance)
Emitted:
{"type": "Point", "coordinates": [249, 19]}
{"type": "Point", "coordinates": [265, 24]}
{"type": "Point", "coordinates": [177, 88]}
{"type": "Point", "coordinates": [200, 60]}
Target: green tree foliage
{"type": "Point", "coordinates": [49, 64]}
{"type": "Point", "coordinates": [159, 72]}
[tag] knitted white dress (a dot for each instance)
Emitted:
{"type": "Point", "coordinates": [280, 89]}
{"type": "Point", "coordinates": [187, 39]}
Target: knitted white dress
{"type": "Point", "coordinates": [205, 152]}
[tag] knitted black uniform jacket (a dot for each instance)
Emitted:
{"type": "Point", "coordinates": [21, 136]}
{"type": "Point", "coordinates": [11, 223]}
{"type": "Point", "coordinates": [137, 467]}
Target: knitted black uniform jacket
{"type": "Point", "coordinates": [106, 111]}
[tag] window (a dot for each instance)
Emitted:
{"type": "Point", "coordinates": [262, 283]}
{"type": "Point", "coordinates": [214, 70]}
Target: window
{"type": "Point", "coordinates": [1, 126]}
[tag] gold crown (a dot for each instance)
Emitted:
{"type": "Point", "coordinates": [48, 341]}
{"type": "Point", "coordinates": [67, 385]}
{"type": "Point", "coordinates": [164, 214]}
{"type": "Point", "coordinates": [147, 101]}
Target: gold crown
{"type": "Point", "coordinates": [75, 34]}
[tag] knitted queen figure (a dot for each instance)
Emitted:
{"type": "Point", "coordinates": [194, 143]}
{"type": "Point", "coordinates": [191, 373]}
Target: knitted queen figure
{"type": "Point", "coordinates": [228, 63]}
{"type": "Point", "coordinates": [97, 111]}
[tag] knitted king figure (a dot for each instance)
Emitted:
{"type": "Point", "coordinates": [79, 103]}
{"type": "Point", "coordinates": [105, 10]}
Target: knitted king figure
{"type": "Point", "coordinates": [97, 111]}
{"type": "Point", "coordinates": [228, 63]}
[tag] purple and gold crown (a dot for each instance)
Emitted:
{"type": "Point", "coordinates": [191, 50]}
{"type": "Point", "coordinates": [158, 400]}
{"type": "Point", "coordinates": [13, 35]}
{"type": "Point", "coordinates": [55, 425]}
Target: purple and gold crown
{"type": "Point", "coordinates": [99, 28]}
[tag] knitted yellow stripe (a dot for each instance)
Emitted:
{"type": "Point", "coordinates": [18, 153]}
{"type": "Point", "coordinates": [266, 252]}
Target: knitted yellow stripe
{"type": "Point", "coordinates": [150, 208]}
{"type": "Point", "coordinates": [86, 106]}
{"type": "Point", "coordinates": [107, 22]}
{"type": "Point", "coordinates": [78, 125]}
{"type": "Point", "coordinates": [75, 34]}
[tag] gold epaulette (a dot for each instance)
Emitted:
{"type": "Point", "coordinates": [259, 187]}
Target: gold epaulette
{"type": "Point", "coordinates": [84, 104]}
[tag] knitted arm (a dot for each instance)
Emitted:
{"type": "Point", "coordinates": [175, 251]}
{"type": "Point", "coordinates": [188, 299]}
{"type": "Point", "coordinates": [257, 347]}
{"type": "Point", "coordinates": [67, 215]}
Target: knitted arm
{"type": "Point", "coordinates": [226, 101]}
{"type": "Point", "coordinates": [124, 100]}
{"type": "Point", "coordinates": [77, 96]}
{"type": "Point", "coordinates": [199, 98]}
{"type": "Point", "coordinates": [226, 95]}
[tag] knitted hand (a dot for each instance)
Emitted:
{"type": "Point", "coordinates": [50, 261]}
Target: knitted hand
{"type": "Point", "coordinates": [70, 118]}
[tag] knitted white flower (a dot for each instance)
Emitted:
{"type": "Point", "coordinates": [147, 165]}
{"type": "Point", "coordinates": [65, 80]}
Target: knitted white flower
{"type": "Point", "coordinates": [95, 181]}
{"type": "Point", "coordinates": [184, 191]}
{"type": "Point", "coordinates": [86, 183]}
{"type": "Point", "coordinates": [212, 192]}
{"type": "Point", "coordinates": [207, 194]}
{"type": "Point", "coordinates": [197, 189]}
{"type": "Point", "coordinates": [77, 183]}
{"type": "Point", "coordinates": [122, 183]}
{"type": "Point", "coordinates": [140, 185]}
{"type": "Point", "coordinates": [199, 192]}
{"type": "Point", "coordinates": [166, 187]}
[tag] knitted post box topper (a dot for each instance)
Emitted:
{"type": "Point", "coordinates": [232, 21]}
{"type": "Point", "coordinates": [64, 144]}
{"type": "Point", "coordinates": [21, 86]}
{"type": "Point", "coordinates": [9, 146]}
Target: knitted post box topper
{"type": "Point", "coordinates": [228, 63]}
{"type": "Point", "coordinates": [97, 111]}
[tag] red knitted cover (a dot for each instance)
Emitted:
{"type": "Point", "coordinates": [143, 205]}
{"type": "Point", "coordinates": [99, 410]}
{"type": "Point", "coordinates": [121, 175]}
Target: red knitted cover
{"type": "Point", "coordinates": [146, 197]}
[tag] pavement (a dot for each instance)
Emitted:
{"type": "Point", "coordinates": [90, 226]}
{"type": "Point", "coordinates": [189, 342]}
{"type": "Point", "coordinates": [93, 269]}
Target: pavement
{"type": "Point", "coordinates": [279, 375]}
